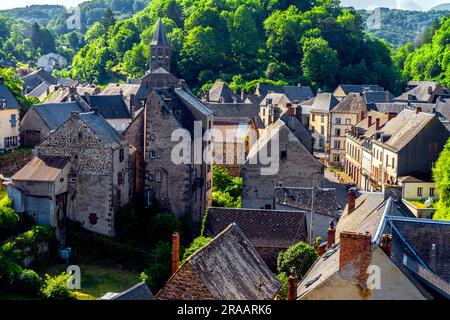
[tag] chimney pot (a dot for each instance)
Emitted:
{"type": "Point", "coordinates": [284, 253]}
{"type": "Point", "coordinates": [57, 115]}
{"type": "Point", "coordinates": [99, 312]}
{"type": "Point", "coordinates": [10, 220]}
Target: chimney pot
{"type": "Point", "coordinates": [386, 244]}
{"type": "Point", "coordinates": [377, 124]}
{"type": "Point", "coordinates": [331, 235]}
{"type": "Point", "coordinates": [355, 256]}
{"type": "Point", "coordinates": [292, 286]}
{"type": "Point", "coordinates": [175, 252]}
{"type": "Point", "coordinates": [351, 199]}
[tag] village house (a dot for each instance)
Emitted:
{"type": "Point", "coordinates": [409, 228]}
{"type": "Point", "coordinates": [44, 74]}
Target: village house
{"type": "Point", "coordinates": [272, 107]}
{"type": "Point", "coordinates": [181, 188]}
{"type": "Point", "coordinates": [319, 119]}
{"type": "Point", "coordinates": [374, 97]}
{"type": "Point", "coordinates": [326, 208]}
{"type": "Point", "coordinates": [423, 92]}
{"type": "Point", "coordinates": [418, 186]}
{"type": "Point", "coordinates": [32, 80]}
{"type": "Point", "coordinates": [230, 111]}
{"type": "Point", "coordinates": [220, 92]}
{"type": "Point", "coordinates": [67, 93]}
{"type": "Point", "coordinates": [367, 236]}
{"type": "Point", "coordinates": [269, 231]}
{"type": "Point", "coordinates": [111, 107]}
{"type": "Point", "coordinates": [295, 94]}
{"type": "Point", "coordinates": [344, 90]}
{"type": "Point", "coordinates": [51, 61]}
{"type": "Point", "coordinates": [358, 143]}
{"type": "Point", "coordinates": [227, 268]}
{"type": "Point", "coordinates": [9, 119]}
{"type": "Point", "coordinates": [290, 164]}
{"type": "Point", "coordinates": [43, 119]}
{"type": "Point", "coordinates": [91, 186]}
{"type": "Point", "coordinates": [351, 110]}
{"type": "Point", "coordinates": [407, 144]}
{"type": "Point", "coordinates": [133, 93]}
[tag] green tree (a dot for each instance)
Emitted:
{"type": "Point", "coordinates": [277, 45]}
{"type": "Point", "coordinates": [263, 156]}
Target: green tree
{"type": "Point", "coordinates": [300, 256]}
{"type": "Point", "coordinates": [441, 175]}
{"type": "Point", "coordinates": [8, 218]}
{"type": "Point", "coordinates": [320, 63]}
{"type": "Point", "coordinates": [108, 19]}
{"type": "Point", "coordinates": [55, 288]}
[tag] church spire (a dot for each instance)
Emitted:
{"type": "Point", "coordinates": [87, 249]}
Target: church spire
{"type": "Point", "coordinates": [159, 49]}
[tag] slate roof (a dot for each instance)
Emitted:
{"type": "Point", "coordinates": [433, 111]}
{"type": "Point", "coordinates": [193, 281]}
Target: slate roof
{"type": "Point", "coordinates": [159, 37]}
{"type": "Point", "coordinates": [264, 228]}
{"type": "Point", "coordinates": [352, 103]}
{"type": "Point", "coordinates": [191, 100]}
{"type": "Point", "coordinates": [294, 93]}
{"type": "Point", "coordinates": [102, 129]}
{"type": "Point", "coordinates": [221, 90]}
{"type": "Point", "coordinates": [138, 292]}
{"type": "Point", "coordinates": [231, 269]}
{"type": "Point", "coordinates": [417, 177]}
{"type": "Point", "coordinates": [358, 88]}
{"type": "Point", "coordinates": [42, 74]}
{"type": "Point", "coordinates": [404, 127]}
{"type": "Point", "coordinates": [378, 96]}
{"type": "Point", "coordinates": [369, 215]}
{"type": "Point", "coordinates": [324, 102]}
{"type": "Point", "coordinates": [237, 110]}
{"type": "Point", "coordinates": [46, 169]}
{"type": "Point", "coordinates": [362, 130]}
{"type": "Point", "coordinates": [420, 92]}
{"type": "Point", "coordinates": [109, 106]}
{"type": "Point", "coordinates": [39, 90]}
{"type": "Point", "coordinates": [5, 94]}
{"type": "Point", "coordinates": [430, 239]}
{"type": "Point", "coordinates": [55, 114]}
{"type": "Point", "coordinates": [277, 98]}
{"type": "Point", "coordinates": [126, 89]}
{"type": "Point", "coordinates": [301, 198]}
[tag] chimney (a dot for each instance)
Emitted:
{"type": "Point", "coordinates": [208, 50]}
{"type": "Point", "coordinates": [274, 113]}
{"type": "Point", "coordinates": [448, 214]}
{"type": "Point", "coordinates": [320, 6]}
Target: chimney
{"type": "Point", "coordinates": [331, 234]}
{"type": "Point", "coordinates": [417, 110]}
{"type": "Point", "coordinates": [292, 286]}
{"type": "Point", "coordinates": [369, 121]}
{"type": "Point", "coordinates": [355, 256]}
{"type": "Point", "coordinates": [362, 115]}
{"type": "Point", "coordinates": [175, 251]}
{"type": "Point", "coordinates": [377, 124]}
{"type": "Point", "coordinates": [351, 199]}
{"type": "Point", "coordinates": [386, 244]}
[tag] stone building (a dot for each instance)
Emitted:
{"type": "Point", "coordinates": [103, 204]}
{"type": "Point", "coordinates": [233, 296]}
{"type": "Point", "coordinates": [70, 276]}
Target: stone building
{"type": "Point", "coordinates": [288, 162]}
{"type": "Point", "coordinates": [97, 182]}
{"type": "Point", "coordinates": [269, 231]}
{"type": "Point", "coordinates": [182, 187]}
{"type": "Point", "coordinates": [227, 268]}
{"type": "Point", "coordinates": [319, 119]}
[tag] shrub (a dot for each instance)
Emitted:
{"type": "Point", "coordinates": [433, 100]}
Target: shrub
{"type": "Point", "coordinates": [196, 245]}
{"type": "Point", "coordinates": [8, 218]}
{"type": "Point", "coordinates": [28, 282]}
{"type": "Point", "coordinates": [162, 226]}
{"type": "Point", "coordinates": [300, 255]}
{"type": "Point", "coordinates": [160, 268]}
{"type": "Point", "coordinates": [283, 277]}
{"type": "Point", "coordinates": [55, 288]}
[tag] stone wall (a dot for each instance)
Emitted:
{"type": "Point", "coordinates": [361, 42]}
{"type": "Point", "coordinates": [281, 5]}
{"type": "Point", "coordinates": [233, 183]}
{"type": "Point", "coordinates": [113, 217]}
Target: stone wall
{"type": "Point", "coordinates": [184, 285]}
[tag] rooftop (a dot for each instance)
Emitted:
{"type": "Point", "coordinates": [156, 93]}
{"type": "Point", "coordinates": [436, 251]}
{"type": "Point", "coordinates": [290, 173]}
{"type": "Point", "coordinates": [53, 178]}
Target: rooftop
{"type": "Point", "coordinates": [46, 169]}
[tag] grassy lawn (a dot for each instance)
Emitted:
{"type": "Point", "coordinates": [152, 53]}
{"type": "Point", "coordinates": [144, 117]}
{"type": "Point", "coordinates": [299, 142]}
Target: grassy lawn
{"type": "Point", "coordinates": [96, 280]}
{"type": "Point", "coordinates": [421, 203]}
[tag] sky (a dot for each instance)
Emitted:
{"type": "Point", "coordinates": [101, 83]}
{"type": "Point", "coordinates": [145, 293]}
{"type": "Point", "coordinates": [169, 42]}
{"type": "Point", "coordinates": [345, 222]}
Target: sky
{"type": "Point", "coordinates": [398, 4]}
{"type": "Point", "coordinates": [359, 4]}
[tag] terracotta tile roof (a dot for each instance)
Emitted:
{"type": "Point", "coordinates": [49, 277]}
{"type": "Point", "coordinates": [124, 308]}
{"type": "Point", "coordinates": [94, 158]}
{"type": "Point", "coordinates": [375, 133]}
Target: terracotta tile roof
{"type": "Point", "coordinates": [264, 228]}
{"type": "Point", "coordinates": [300, 198]}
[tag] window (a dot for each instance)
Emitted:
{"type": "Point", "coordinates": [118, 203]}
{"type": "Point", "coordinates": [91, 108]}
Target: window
{"type": "Point", "coordinates": [419, 191]}
{"type": "Point", "coordinates": [432, 192]}
{"type": "Point", "coordinates": [336, 158]}
{"type": "Point", "coordinates": [321, 142]}
{"type": "Point", "coordinates": [152, 154]}
{"type": "Point", "coordinates": [120, 178]}
{"type": "Point", "coordinates": [433, 147]}
{"type": "Point", "coordinates": [337, 132]}
{"type": "Point", "coordinates": [338, 121]}
{"type": "Point", "coordinates": [337, 144]}
{"type": "Point", "coordinates": [313, 117]}
{"type": "Point", "coordinates": [387, 160]}
{"type": "Point", "coordinates": [264, 111]}
{"type": "Point", "coordinates": [322, 118]}
{"type": "Point", "coordinates": [283, 154]}
{"type": "Point", "coordinates": [322, 130]}
{"type": "Point", "coordinates": [158, 176]}
{"type": "Point", "coordinates": [393, 163]}
{"type": "Point", "coordinates": [121, 155]}
{"type": "Point", "coordinates": [348, 121]}
{"type": "Point", "coordinates": [13, 120]}
{"type": "Point", "coordinates": [93, 218]}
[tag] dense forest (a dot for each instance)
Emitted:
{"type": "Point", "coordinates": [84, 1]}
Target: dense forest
{"type": "Point", "coordinates": [26, 33]}
{"type": "Point", "coordinates": [399, 27]}
{"type": "Point", "coordinates": [431, 59]}
{"type": "Point", "coordinates": [314, 42]}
